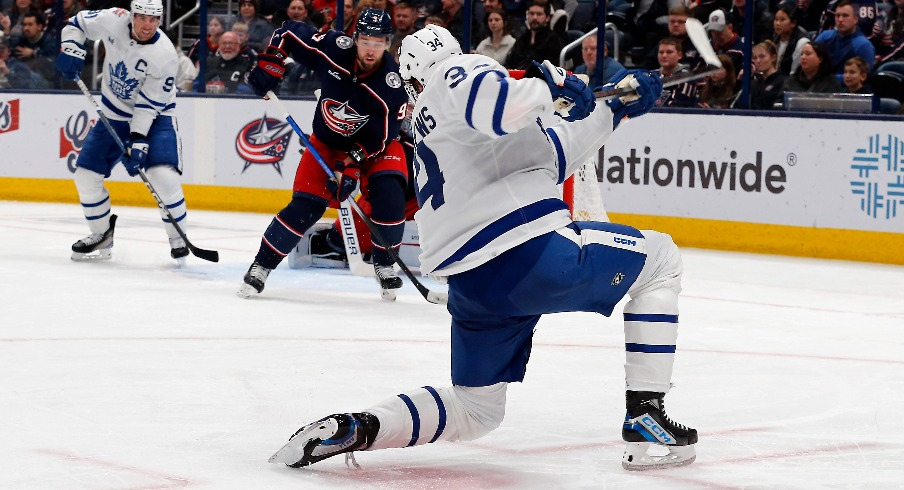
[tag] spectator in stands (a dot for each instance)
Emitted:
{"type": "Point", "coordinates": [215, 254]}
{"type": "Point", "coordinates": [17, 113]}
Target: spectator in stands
{"type": "Point", "coordinates": [350, 15]}
{"type": "Point", "coordinates": [762, 17]}
{"type": "Point", "coordinates": [868, 13]}
{"type": "Point", "coordinates": [16, 74]}
{"type": "Point", "coordinates": [435, 20]}
{"type": "Point", "coordinates": [855, 75]}
{"type": "Point", "coordinates": [270, 8]}
{"type": "Point", "coordinates": [70, 8]}
{"type": "Point", "coordinates": [846, 41]}
{"type": "Point", "coordinates": [539, 42]}
{"type": "Point", "coordinates": [498, 44]}
{"type": "Point", "coordinates": [404, 19]}
{"type": "Point", "coordinates": [683, 94]}
{"type": "Point", "coordinates": [893, 33]}
{"type": "Point", "coordinates": [241, 30]}
{"type": "Point", "coordinates": [324, 11]}
{"type": "Point", "coordinates": [227, 69]}
{"type": "Point", "coordinates": [768, 84]}
{"type": "Point", "coordinates": [677, 17]}
{"type": "Point", "coordinates": [424, 9]}
{"type": "Point", "coordinates": [295, 10]}
{"type": "Point", "coordinates": [215, 28]}
{"type": "Point", "coordinates": [36, 48]}
{"type": "Point", "coordinates": [815, 72]}
{"type": "Point", "coordinates": [725, 39]}
{"type": "Point", "coordinates": [454, 20]}
{"type": "Point", "coordinates": [789, 37]}
{"type": "Point", "coordinates": [11, 22]}
{"type": "Point", "coordinates": [259, 29]}
{"type": "Point", "coordinates": [720, 89]}
{"type": "Point", "coordinates": [588, 54]}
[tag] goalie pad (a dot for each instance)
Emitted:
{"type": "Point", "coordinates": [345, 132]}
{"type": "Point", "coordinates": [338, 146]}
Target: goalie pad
{"type": "Point", "coordinates": [301, 256]}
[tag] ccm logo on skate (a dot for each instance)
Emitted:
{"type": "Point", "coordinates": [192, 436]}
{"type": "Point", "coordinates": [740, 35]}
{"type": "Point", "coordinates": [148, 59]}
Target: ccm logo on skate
{"type": "Point", "coordinates": [625, 241]}
{"type": "Point", "coordinates": [654, 429]}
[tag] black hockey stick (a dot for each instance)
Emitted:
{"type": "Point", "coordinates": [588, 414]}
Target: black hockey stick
{"type": "Point", "coordinates": [439, 298]}
{"type": "Point", "coordinates": [209, 255]}
{"type": "Point", "coordinates": [697, 34]}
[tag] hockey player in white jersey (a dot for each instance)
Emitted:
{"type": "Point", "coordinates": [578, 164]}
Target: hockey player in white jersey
{"type": "Point", "coordinates": [139, 98]}
{"type": "Point", "coordinates": [492, 222]}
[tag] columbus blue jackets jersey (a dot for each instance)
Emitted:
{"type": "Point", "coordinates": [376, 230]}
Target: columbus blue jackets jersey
{"type": "Point", "coordinates": [489, 155]}
{"type": "Point", "coordinates": [139, 78]}
{"type": "Point", "coordinates": [363, 109]}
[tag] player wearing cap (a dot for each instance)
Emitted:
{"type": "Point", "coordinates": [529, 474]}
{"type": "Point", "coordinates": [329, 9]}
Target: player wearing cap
{"type": "Point", "coordinates": [359, 114]}
{"type": "Point", "coordinates": [138, 95]}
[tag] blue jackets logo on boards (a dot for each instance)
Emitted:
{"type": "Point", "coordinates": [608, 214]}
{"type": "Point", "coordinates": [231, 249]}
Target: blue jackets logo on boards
{"type": "Point", "coordinates": [263, 141]}
{"type": "Point", "coordinates": [878, 180]}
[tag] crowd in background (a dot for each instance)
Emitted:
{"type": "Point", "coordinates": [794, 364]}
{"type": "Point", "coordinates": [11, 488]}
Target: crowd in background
{"type": "Point", "coordinates": [818, 46]}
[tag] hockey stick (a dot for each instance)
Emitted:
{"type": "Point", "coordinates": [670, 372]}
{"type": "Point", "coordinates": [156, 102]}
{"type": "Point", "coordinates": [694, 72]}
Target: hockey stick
{"type": "Point", "coordinates": [210, 255]}
{"type": "Point", "coordinates": [697, 34]}
{"type": "Point", "coordinates": [439, 298]}
{"type": "Point", "coordinates": [351, 242]}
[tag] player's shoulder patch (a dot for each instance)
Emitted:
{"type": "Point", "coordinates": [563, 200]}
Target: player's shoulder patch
{"type": "Point", "coordinates": [344, 42]}
{"type": "Point", "coordinates": [393, 80]}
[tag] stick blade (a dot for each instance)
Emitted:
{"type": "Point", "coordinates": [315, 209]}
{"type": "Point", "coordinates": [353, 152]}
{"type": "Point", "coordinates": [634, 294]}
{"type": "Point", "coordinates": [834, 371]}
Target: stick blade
{"type": "Point", "coordinates": [208, 255]}
{"type": "Point", "coordinates": [697, 34]}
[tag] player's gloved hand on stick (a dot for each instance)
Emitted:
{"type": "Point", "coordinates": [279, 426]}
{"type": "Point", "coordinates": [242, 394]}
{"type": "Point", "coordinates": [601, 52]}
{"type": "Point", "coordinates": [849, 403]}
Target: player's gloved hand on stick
{"type": "Point", "coordinates": [267, 74]}
{"type": "Point", "coordinates": [647, 87]}
{"type": "Point", "coordinates": [351, 173]}
{"type": "Point", "coordinates": [136, 157]}
{"type": "Point", "coordinates": [574, 99]}
{"type": "Point", "coordinates": [70, 60]}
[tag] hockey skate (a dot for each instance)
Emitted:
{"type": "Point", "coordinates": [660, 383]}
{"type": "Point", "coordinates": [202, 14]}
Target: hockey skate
{"type": "Point", "coordinates": [102, 243]}
{"type": "Point", "coordinates": [329, 436]}
{"type": "Point", "coordinates": [254, 281]}
{"type": "Point", "coordinates": [178, 250]}
{"type": "Point", "coordinates": [389, 281]}
{"type": "Point", "coordinates": [654, 440]}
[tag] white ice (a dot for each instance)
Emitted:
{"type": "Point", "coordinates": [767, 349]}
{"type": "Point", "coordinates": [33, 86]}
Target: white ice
{"type": "Point", "coordinates": [133, 374]}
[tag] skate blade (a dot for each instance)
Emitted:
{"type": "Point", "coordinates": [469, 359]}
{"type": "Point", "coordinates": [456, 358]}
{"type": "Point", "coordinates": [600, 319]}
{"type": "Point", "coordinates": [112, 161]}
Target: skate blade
{"type": "Point", "coordinates": [388, 294]}
{"type": "Point", "coordinates": [247, 291]}
{"type": "Point", "coordinates": [293, 451]}
{"type": "Point", "coordinates": [640, 456]}
{"type": "Point", "coordinates": [180, 263]}
{"type": "Point", "coordinates": [96, 256]}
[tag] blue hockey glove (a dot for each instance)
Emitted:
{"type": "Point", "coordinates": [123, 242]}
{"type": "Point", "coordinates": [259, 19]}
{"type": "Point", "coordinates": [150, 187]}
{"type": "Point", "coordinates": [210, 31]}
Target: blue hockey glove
{"type": "Point", "coordinates": [351, 173]}
{"type": "Point", "coordinates": [136, 157]}
{"type": "Point", "coordinates": [573, 98]}
{"type": "Point", "coordinates": [648, 88]}
{"type": "Point", "coordinates": [268, 73]}
{"type": "Point", "coordinates": [71, 59]}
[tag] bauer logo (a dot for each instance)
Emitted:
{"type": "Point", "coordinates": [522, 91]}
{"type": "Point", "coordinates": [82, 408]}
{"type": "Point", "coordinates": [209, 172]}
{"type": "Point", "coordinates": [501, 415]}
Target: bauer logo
{"type": "Point", "coordinates": [878, 178]}
{"type": "Point", "coordinates": [9, 115]}
{"type": "Point", "coordinates": [735, 173]}
{"type": "Point", "coordinates": [263, 141]}
{"type": "Point", "coordinates": [73, 136]}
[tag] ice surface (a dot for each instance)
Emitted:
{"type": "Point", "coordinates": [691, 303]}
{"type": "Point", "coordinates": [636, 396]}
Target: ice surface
{"type": "Point", "coordinates": [133, 374]}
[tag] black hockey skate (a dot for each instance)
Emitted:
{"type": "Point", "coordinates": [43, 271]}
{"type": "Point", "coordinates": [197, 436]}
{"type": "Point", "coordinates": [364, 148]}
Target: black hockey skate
{"type": "Point", "coordinates": [329, 436]}
{"type": "Point", "coordinates": [178, 250]}
{"type": "Point", "coordinates": [254, 280]}
{"type": "Point", "coordinates": [646, 424]}
{"type": "Point", "coordinates": [389, 281]}
{"type": "Point", "coordinates": [102, 243]}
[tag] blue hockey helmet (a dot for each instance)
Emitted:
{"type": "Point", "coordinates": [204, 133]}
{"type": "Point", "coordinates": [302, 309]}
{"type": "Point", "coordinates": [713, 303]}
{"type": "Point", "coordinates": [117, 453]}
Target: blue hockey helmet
{"type": "Point", "coordinates": [374, 22]}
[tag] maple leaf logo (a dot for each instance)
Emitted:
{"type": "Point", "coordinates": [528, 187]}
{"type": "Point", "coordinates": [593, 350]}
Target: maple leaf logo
{"type": "Point", "coordinates": [120, 83]}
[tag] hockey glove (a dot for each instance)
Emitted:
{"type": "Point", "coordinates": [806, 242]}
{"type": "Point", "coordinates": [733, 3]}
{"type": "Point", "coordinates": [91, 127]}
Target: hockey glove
{"type": "Point", "coordinates": [71, 59]}
{"type": "Point", "coordinates": [647, 86]}
{"type": "Point", "coordinates": [351, 173]}
{"type": "Point", "coordinates": [136, 157]}
{"type": "Point", "coordinates": [268, 73]}
{"type": "Point", "coordinates": [573, 98]}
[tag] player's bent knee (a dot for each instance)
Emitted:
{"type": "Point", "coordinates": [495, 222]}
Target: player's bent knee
{"type": "Point", "coordinates": [89, 184]}
{"type": "Point", "coordinates": [484, 407]}
{"type": "Point", "coordinates": [166, 181]}
{"type": "Point", "coordinates": [662, 268]}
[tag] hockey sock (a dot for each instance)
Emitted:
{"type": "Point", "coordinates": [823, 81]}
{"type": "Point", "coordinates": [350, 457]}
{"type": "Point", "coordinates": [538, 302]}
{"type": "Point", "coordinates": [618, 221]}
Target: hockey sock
{"type": "Point", "coordinates": [651, 332]}
{"type": "Point", "coordinates": [94, 198]}
{"type": "Point", "coordinates": [287, 228]}
{"type": "Point", "coordinates": [430, 414]}
{"type": "Point", "coordinates": [166, 182]}
{"type": "Point", "coordinates": [386, 194]}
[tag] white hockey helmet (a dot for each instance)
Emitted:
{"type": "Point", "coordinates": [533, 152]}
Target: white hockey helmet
{"type": "Point", "coordinates": [148, 7]}
{"type": "Point", "coordinates": [420, 52]}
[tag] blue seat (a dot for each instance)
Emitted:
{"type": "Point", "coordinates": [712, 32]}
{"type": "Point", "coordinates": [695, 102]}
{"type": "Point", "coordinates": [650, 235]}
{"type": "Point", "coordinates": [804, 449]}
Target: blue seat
{"type": "Point", "coordinates": [889, 106]}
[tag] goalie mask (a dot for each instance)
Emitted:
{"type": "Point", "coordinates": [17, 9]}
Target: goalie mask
{"type": "Point", "coordinates": [421, 52]}
{"type": "Point", "coordinates": [153, 8]}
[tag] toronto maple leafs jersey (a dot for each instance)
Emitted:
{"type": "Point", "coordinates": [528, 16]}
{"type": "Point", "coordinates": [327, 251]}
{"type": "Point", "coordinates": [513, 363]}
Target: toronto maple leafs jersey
{"type": "Point", "coordinates": [138, 78]}
{"type": "Point", "coordinates": [486, 165]}
{"type": "Point", "coordinates": [356, 109]}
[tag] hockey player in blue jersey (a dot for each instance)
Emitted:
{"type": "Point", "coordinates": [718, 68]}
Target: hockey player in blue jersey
{"type": "Point", "coordinates": [489, 154]}
{"type": "Point", "coordinates": [361, 108]}
{"type": "Point", "coordinates": [139, 99]}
